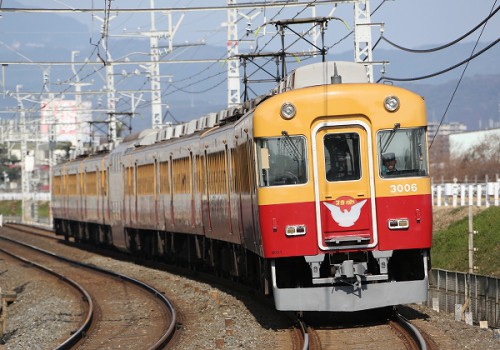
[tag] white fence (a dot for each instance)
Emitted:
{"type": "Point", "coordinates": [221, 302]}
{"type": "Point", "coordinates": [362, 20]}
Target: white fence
{"type": "Point", "coordinates": [456, 194]}
{"type": "Point", "coordinates": [17, 196]}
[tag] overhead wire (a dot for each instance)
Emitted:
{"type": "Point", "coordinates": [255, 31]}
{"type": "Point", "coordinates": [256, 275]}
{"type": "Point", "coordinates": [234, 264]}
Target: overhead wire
{"type": "Point", "coordinates": [473, 56]}
{"type": "Point", "coordinates": [382, 37]}
{"type": "Point", "coordinates": [176, 88]}
{"type": "Point", "coordinates": [75, 75]}
{"type": "Point", "coordinates": [261, 50]}
{"type": "Point", "coordinates": [352, 31]}
{"type": "Point", "coordinates": [467, 60]}
{"type": "Point", "coordinates": [200, 79]}
{"type": "Point", "coordinates": [104, 37]}
{"type": "Point", "coordinates": [192, 83]}
{"type": "Point", "coordinates": [458, 83]}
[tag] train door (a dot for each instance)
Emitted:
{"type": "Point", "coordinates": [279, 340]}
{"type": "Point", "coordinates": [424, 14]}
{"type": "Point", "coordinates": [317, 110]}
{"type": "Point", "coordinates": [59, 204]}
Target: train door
{"type": "Point", "coordinates": [135, 217]}
{"type": "Point", "coordinates": [125, 180]}
{"type": "Point", "coordinates": [205, 199]}
{"type": "Point", "coordinates": [101, 207]}
{"type": "Point", "coordinates": [344, 186]}
{"type": "Point", "coordinates": [105, 191]}
{"type": "Point", "coordinates": [192, 186]}
{"type": "Point", "coordinates": [171, 197]}
{"type": "Point", "coordinates": [83, 195]}
{"type": "Point", "coordinates": [79, 196]}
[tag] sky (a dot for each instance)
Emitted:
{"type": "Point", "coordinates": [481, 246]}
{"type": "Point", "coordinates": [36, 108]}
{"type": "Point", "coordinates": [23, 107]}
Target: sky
{"type": "Point", "coordinates": [409, 23]}
{"type": "Point", "coordinates": [427, 22]}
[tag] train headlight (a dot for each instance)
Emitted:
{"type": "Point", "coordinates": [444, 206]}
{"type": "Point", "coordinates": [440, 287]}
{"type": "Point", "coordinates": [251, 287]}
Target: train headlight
{"type": "Point", "coordinates": [398, 224]}
{"type": "Point", "coordinates": [391, 103]}
{"type": "Point", "coordinates": [288, 110]}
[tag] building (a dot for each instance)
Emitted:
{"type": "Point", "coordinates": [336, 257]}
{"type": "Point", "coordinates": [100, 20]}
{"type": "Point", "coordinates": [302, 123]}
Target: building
{"type": "Point", "coordinates": [439, 139]}
{"type": "Point", "coordinates": [66, 120]}
{"type": "Point", "coordinates": [460, 143]}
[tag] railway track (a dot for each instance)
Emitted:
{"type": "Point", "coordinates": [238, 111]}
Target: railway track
{"type": "Point", "coordinates": [395, 333]}
{"type": "Point", "coordinates": [238, 327]}
{"type": "Point", "coordinates": [337, 334]}
{"type": "Point", "coordinates": [117, 311]}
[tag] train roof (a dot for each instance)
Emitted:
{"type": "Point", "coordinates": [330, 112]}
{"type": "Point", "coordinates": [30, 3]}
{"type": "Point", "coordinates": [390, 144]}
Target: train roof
{"type": "Point", "coordinates": [323, 73]}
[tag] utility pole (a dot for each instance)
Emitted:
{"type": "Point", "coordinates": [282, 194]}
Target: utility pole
{"type": "Point", "coordinates": [233, 70]}
{"type": "Point", "coordinates": [26, 162]}
{"type": "Point", "coordinates": [78, 100]}
{"type": "Point", "coordinates": [3, 79]}
{"type": "Point", "coordinates": [110, 82]}
{"type": "Point", "coordinates": [154, 73]}
{"type": "Point", "coordinates": [153, 68]}
{"type": "Point", "coordinates": [363, 36]}
{"type": "Point", "coordinates": [52, 154]}
{"type": "Point", "coordinates": [111, 98]}
{"type": "Point", "coordinates": [471, 241]}
{"type": "Point", "coordinates": [472, 268]}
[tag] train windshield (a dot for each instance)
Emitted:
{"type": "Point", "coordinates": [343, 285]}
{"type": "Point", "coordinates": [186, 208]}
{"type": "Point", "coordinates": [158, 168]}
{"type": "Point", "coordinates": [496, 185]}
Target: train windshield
{"type": "Point", "coordinates": [342, 156]}
{"type": "Point", "coordinates": [282, 160]}
{"type": "Point", "coordinates": [402, 152]}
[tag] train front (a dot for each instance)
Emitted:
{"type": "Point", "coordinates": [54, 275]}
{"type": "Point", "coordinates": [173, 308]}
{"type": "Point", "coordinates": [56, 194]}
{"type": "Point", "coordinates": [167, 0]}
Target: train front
{"type": "Point", "coordinates": [344, 193]}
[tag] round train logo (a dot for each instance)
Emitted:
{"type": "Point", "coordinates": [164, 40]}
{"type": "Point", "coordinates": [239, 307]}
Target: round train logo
{"type": "Point", "coordinates": [345, 210]}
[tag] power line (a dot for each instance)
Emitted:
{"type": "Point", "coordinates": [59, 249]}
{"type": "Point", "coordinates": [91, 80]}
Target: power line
{"type": "Point", "coordinates": [382, 37]}
{"type": "Point", "coordinates": [444, 70]}
{"type": "Point", "coordinates": [458, 84]}
{"type": "Point", "coordinates": [248, 5]}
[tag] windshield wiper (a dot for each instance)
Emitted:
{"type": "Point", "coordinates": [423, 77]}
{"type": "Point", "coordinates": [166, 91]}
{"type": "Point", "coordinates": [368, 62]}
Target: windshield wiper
{"type": "Point", "coordinates": [293, 149]}
{"type": "Point", "coordinates": [391, 136]}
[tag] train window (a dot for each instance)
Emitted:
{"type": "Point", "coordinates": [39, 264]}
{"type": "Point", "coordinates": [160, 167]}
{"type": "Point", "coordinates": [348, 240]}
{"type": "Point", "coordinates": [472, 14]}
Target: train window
{"type": "Point", "coordinates": [72, 189]}
{"type": "Point", "coordinates": [181, 175]}
{"type": "Point", "coordinates": [282, 160]}
{"type": "Point", "coordinates": [164, 178]}
{"type": "Point", "coordinates": [56, 185]}
{"type": "Point", "coordinates": [90, 183]}
{"type": "Point", "coordinates": [402, 152]}
{"type": "Point", "coordinates": [342, 156]}
{"type": "Point", "coordinates": [145, 179]}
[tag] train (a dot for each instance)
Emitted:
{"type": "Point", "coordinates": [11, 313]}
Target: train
{"type": "Point", "coordinates": [317, 193]}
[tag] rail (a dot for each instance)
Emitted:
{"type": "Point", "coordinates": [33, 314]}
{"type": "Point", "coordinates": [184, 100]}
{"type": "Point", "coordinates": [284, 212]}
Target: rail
{"type": "Point", "coordinates": [412, 331]}
{"type": "Point", "coordinates": [168, 333]}
{"type": "Point", "coordinates": [80, 332]}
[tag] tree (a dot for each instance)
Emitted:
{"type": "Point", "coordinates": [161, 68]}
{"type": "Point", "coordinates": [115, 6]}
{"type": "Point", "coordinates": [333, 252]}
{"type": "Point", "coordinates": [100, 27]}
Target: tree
{"type": "Point", "coordinates": [477, 162]}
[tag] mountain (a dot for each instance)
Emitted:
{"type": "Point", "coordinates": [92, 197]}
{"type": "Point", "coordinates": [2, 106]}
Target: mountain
{"type": "Point", "coordinates": [476, 102]}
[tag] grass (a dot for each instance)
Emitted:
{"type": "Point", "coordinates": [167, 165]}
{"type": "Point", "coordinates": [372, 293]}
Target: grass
{"type": "Point", "coordinates": [14, 208]}
{"type": "Point", "coordinates": [450, 244]}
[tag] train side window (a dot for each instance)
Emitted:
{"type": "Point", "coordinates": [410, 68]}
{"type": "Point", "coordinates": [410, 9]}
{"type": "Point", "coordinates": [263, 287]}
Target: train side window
{"type": "Point", "coordinates": [342, 156]}
{"type": "Point", "coordinates": [282, 160]}
{"type": "Point", "coordinates": [402, 152]}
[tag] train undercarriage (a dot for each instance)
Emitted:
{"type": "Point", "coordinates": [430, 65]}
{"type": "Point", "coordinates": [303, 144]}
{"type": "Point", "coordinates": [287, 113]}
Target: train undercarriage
{"type": "Point", "coordinates": [187, 250]}
{"type": "Point", "coordinates": [327, 282]}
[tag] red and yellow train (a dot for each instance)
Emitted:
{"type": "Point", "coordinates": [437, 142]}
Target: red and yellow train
{"type": "Point", "coordinates": [318, 192]}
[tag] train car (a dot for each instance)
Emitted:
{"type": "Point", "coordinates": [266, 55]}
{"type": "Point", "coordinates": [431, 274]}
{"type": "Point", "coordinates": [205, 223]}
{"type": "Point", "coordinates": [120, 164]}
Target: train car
{"type": "Point", "coordinates": [80, 195]}
{"type": "Point", "coordinates": [317, 193]}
